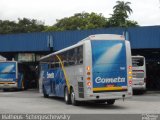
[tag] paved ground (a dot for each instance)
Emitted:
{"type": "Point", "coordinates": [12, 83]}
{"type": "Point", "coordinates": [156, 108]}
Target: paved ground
{"type": "Point", "coordinates": [33, 102]}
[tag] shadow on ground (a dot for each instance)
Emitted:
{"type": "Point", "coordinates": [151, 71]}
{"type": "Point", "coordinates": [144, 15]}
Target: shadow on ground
{"type": "Point", "coordinates": [89, 105]}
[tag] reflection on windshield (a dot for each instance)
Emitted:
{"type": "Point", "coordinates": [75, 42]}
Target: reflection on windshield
{"type": "Point", "coordinates": [108, 52]}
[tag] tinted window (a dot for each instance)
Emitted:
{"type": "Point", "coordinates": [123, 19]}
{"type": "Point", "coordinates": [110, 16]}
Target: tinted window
{"type": "Point", "coordinates": [70, 57]}
{"type": "Point", "coordinates": [75, 56]}
{"type": "Point", "coordinates": [137, 62]}
{"type": "Point", "coordinates": [80, 55]}
{"type": "Point", "coordinates": [54, 63]}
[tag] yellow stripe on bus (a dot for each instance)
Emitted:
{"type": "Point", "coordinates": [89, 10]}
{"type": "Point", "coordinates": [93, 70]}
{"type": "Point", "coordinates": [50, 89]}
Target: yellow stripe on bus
{"type": "Point", "coordinates": [65, 74]}
{"type": "Point", "coordinates": [7, 82]}
{"type": "Point", "coordinates": [108, 88]}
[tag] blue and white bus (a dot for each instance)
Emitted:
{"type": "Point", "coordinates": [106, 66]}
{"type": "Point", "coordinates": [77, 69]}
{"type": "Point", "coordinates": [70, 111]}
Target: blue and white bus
{"type": "Point", "coordinates": [10, 76]}
{"type": "Point", "coordinates": [98, 68]}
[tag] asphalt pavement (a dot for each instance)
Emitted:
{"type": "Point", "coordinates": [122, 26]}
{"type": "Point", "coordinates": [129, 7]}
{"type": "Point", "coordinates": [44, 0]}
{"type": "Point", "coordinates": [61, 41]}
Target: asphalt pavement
{"type": "Point", "coordinates": [32, 102]}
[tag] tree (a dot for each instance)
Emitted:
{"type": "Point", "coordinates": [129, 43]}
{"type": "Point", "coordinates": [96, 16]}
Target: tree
{"type": "Point", "coordinates": [24, 25]}
{"type": "Point", "coordinates": [7, 26]}
{"type": "Point", "coordinates": [30, 25]}
{"type": "Point", "coordinates": [123, 8]}
{"type": "Point", "coordinates": [121, 14]}
{"type": "Point", "coordinates": [80, 21]}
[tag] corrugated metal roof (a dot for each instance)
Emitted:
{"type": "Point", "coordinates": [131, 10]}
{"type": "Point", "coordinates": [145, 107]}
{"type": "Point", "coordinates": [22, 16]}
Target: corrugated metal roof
{"type": "Point", "coordinates": [23, 42]}
{"type": "Point", "coordinates": [144, 37]}
{"type": "Point", "coordinates": [67, 38]}
{"type": "Point", "coordinates": [140, 37]}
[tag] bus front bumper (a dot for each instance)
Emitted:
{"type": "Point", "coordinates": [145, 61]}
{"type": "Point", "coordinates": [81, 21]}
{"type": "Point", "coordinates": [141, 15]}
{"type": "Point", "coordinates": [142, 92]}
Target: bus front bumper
{"type": "Point", "coordinates": [8, 85]}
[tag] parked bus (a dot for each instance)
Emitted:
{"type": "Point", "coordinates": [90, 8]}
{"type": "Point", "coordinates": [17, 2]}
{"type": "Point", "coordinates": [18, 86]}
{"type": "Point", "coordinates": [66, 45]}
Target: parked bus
{"type": "Point", "coordinates": [139, 73]}
{"type": "Point", "coordinates": [98, 69]}
{"type": "Point", "coordinates": [11, 75]}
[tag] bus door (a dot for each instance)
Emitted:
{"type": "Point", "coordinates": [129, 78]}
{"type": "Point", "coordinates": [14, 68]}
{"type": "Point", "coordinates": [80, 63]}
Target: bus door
{"type": "Point", "coordinates": [49, 81]}
{"type": "Point", "coordinates": [55, 80]}
{"type": "Point", "coordinates": [59, 82]}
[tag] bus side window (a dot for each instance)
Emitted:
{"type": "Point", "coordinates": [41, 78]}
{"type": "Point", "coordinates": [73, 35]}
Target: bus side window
{"type": "Point", "coordinates": [75, 54]}
{"type": "Point", "coordinates": [54, 63]}
{"type": "Point", "coordinates": [51, 63]}
{"type": "Point", "coordinates": [52, 66]}
{"type": "Point", "coordinates": [64, 58]}
{"type": "Point", "coordinates": [57, 64]}
{"type": "Point", "coordinates": [80, 55]}
{"type": "Point", "coordinates": [66, 63]}
{"type": "Point", "coordinates": [71, 60]}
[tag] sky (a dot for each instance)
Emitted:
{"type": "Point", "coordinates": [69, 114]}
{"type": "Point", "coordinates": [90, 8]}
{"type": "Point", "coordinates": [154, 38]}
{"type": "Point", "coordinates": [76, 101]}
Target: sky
{"type": "Point", "coordinates": [145, 12]}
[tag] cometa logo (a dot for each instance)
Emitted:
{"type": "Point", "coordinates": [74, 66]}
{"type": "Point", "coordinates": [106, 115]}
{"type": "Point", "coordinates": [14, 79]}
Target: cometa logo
{"type": "Point", "coordinates": [50, 75]}
{"type": "Point", "coordinates": [109, 80]}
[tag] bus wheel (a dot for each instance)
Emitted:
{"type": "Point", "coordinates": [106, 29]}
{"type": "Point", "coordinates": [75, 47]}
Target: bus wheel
{"type": "Point", "coordinates": [44, 93]}
{"type": "Point", "coordinates": [5, 90]}
{"type": "Point", "coordinates": [110, 102]}
{"type": "Point", "coordinates": [73, 101]}
{"type": "Point", "coordinates": [67, 96]}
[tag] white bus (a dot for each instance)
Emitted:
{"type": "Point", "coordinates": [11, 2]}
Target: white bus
{"type": "Point", "coordinates": [139, 73]}
{"type": "Point", "coordinates": [98, 69]}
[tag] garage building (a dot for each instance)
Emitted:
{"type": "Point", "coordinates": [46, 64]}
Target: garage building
{"type": "Point", "coordinates": [29, 47]}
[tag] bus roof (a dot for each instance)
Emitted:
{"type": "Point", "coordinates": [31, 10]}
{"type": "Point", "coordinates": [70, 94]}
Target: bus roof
{"type": "Point", "coordinates": [2, 58]}
{"type": "Point", "coordinates": [137, 56]}
{"type": "Point", "coordinates": [91, 37]}
{"type": "Point", "coordinates": [7, 61]}
{"type": "Point", "coordinates": [104, 37]}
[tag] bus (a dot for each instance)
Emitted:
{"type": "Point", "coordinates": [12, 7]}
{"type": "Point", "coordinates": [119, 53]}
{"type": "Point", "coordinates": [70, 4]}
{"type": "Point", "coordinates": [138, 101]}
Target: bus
{"type": "Point", "coordinates": [97, 69]}
{"type": "Point", "coordinates": [11, 76]}
{"type": "Point", "coordinates": [139, 73]}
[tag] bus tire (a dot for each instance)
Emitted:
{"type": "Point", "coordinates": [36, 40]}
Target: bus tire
{"type": "Point", "coordinates": [45, 95]}
{"type": "Point", "coordinates": [5, 90]}
{"type": "Point", "coordinates": [73, 101]}
{"type": "Point", "coordinates": [110, 102]}
{"type": "Point", "coordinates": [67, 96]}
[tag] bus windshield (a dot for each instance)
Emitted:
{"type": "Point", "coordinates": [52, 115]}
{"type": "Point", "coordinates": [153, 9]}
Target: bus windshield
{"type": "Point", "coordinates": [137, 62]}
{"type": "Point", "coordinates": [108, 52]}
{"type": "Point", "coordinates": [7, 67]}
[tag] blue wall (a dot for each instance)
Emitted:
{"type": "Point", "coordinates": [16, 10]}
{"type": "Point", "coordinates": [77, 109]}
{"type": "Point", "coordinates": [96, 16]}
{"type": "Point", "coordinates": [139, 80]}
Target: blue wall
{"type": "Point", "coordinates": [140, 37]}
